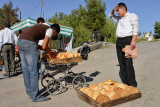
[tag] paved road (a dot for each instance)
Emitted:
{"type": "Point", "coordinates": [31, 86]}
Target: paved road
{"type": "Point", "coordinates": [101, 65]}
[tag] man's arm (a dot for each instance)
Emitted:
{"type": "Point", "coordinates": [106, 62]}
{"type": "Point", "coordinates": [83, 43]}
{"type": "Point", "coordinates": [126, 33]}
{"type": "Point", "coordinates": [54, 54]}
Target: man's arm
{"type": "Point", "coordinates": [135, 28]}
{"type": "Point", "coordinates": [45, 44]}
{"type": "Point", "coordinates": [0, 46]}
{"type": "Point", "coordinates": [15, 38]}
{"type": "Point", "coordinates": [133, 42]}
{"type": "Point", "coordinates": [1, 41]}
{"type": "Point", "coordinates": [112, 15]}
{"type": "Point", "coordinates": [114, 9]}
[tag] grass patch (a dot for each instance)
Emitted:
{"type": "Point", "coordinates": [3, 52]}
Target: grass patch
{"type": "Point", "coordinates": [155, 40]}
{"type": "Point", "coordinates": [140, 39]}
{"type": "Point", "coordinates": [144, 39]}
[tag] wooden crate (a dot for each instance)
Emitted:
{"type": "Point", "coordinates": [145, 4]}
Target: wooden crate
{"type": "Point", "coordinates": [92, 102]}
{"type": "Point", "coordinates": [66, 60]}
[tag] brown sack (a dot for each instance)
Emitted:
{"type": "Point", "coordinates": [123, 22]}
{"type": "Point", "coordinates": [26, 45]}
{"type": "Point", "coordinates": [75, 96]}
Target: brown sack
{"type": "Point", "coordinates": [129, 53]}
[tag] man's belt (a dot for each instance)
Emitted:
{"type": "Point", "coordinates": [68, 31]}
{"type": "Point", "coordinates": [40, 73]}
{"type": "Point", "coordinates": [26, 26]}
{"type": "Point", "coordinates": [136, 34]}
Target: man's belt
{"type": "Point", "coordinates": [8, 44]}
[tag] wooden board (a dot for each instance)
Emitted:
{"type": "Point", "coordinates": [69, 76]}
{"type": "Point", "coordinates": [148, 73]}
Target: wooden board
{"type": "Point", "coordinates": [66, 60]}
{"type": "Point", "coordinates": [92, 102]}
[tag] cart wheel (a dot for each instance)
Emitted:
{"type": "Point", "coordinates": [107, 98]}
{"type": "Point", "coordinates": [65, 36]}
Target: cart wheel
{"type": "Point", "coordinates": [78, 82]}
{"type": "Point", "coordinates": [45, 79]}
{"type": "Point", "coordinates": [54, 87]}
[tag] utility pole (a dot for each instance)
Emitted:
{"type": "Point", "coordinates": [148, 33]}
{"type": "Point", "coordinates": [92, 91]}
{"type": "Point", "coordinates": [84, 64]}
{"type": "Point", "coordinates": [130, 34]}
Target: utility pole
{"type": "Point", "coordinates": [43, 14]}
{"type": "Point", "coordinates": [41, 8]}
{"type": "Point", "coordinates": [20, 15]}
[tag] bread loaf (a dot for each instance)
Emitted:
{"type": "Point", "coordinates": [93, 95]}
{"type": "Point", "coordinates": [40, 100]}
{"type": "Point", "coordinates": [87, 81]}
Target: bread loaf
{"type": "Point", "coordinates": [102, 99]}
{"type": "Point", "coordinates": [109, 87]}
{"type": "Point", "coordinates": [109, 82]}
{"type": "Point", "coordinates": [104, 91]}
{"type": "Point", "coordinates": [101, 84]}
{"type": "Point", "coordinates": [87, 91]}
{"type": "Point", "coordinates": [91, 93]}
{"type": "Point", "coordinates": [112, 95]}
{"type": "Point", "coordinates": [123, 86]}
{"type": "Point", "coordinates": [83, 89]}
{"type": "Point", "coordinates": [60, 56]}
{"type": "Point", "coordinates": [121, 92]}
{"type": "Point", "coordinates": [95, 94]}
{"type": "Point", "coordinates": [131, 89]}
{"type": "Point", "coordinates": [93, 86]}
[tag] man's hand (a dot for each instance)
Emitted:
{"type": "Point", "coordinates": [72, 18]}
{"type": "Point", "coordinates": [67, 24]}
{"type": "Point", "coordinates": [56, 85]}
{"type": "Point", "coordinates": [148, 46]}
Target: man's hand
{"type": "Point", "coordinates": [53, 51]}
{"type": "Point", "coordinates": [133, 42]}
{"type": "Point", "coordinates": [116, 7]}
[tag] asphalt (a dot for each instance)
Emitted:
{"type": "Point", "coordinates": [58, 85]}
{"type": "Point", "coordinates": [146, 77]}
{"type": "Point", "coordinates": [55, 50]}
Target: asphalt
{"type": "Point", "coordinates": [101, 65]}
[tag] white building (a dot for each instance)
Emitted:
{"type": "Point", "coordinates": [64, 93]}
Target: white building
{"type": "Point", "coordinates": [149, 36]}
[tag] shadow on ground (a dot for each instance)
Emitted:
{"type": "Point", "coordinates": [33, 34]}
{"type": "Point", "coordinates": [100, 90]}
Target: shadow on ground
{"type": "Point", "coordinates": [62, 84]}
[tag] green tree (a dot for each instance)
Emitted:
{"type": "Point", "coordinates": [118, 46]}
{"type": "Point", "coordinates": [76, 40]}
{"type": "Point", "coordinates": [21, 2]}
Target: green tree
{"type": "Point", "coordinates": [150, 32]}
{"type": "Point", "coordinates": [139, 34]}
{"type": "Point", "coordinates": [10, 13]}
{"type": "Point", "coordinates": [77, 16]}
{"type": "Point", "coordinates": [109, 31]}
{"type": "Point", "coordinates": [81, 34]}
{"type": "Point", "coordinates": [86, 19]}
{"type": "Point", "coordinates": [96, 17]}
{"type": "Point", "coordinates": [157, 30]}
{"type": "Point", "coordinates": [1, 19]}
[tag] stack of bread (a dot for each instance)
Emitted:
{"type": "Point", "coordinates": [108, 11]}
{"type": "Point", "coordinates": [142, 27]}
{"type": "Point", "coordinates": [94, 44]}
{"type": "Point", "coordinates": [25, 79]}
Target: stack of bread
{"type": "Point", "coordinates": [60, 55]}
{"type": "Point", "coordinates": [108, 90]}
{"type": "Point", "coordinates": [63, 55]}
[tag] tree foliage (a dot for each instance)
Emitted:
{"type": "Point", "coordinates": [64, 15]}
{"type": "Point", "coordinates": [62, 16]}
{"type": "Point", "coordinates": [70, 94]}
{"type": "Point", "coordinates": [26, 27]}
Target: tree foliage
{"type": "Point", "coordinates": [95, 15]}
{"type": "Point", "coordinates": [157, 30]}
{"type": "Point", "coordinates": [8, 14]}
{"type": "Point", "coordinates": [109, 31]}
{"type": "Point", "coordinates": [86, 19]}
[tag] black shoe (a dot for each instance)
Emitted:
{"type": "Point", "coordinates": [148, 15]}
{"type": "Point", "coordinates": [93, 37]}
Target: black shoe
{"type": "Point", "coordinates": [42, 98]}
{"type": "Point", "coordinates": [15, 74]}
{"type": "Point", "coordinates": [6, 74]}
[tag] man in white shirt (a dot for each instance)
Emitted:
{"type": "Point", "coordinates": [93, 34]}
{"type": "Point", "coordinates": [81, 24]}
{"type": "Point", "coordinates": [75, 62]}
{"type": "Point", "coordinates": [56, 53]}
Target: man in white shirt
{"type": "Point", "coordinates": [127, 30]}
{"type": "Point", "coordinates": [8, 39]}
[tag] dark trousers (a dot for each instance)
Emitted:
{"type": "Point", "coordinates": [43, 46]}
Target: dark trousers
{"type": "Point", "coordinates": [127, 73]}
{"type": "Point", "coordinates": [8, 53]}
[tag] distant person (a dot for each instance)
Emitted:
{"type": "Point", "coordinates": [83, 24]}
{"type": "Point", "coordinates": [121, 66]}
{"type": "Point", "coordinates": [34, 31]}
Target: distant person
{"type": "Point", "coordinates": [41, 20]}
{"type": "Point", "coordinates": [42, 67]}
{"type": "Point", "coordinates": [8, 40]}
{"type": "Point", "coordinates": [27, 46]}
{"type": "Point", "coordinates": [20, 31]}
{"type": "Point", "coordinates": [127, 31]}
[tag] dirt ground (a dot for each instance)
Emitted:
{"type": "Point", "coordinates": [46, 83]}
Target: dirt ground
{"type": "Point", "coordinates": [101, 65]}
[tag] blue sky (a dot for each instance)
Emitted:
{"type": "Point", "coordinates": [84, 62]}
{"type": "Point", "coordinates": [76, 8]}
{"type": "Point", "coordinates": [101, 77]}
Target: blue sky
{"type": "Point", "coordinates": [148, 11]}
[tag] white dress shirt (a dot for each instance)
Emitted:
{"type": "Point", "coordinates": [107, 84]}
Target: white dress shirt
{"type": "Point", "coordinates": [127, 25]}
{"type": "Point", "coordinates": [8, 36]}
